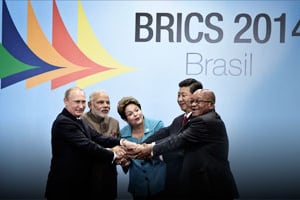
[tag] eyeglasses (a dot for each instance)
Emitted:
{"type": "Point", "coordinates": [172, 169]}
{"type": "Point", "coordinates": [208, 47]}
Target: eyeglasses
{"type": "Point", "coordinates": [197, 101]}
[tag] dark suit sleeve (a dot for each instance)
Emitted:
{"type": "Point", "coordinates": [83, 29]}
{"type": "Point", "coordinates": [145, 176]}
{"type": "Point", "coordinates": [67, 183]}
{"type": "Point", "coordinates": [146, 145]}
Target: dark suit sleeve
{"type": "Point", "coordinates": [158, 135]}
{"type": "Point", "coordinates": [105, 141]}
{"type": "Point", "coordinates": [195, 133]}
{"type": "Point", "coordinates": [165, 132]}
{"type": "Point", "coordinates": [72, 134]}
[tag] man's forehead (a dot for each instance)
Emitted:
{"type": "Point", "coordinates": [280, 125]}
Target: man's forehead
{"type": "Point", "coordinates": [77, 93]}
{"type": "Point", "coordinates": [101, 96]}
{"type": "Point", "coordinates": [78, 98]}
{"type": "Point", "coordinates": [184, 90]}
{"type": "Point", "coordinates": [198, 94]}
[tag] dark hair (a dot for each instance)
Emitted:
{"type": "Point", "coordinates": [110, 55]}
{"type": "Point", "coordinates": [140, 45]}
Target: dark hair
{"type": "Point", "coordinates": [124, 102]}
{"type": "Point", "coordinates": [192, 83]}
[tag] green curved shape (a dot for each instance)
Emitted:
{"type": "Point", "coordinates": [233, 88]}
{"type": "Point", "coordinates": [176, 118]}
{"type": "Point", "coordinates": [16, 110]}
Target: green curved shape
{"type": "Point", "coordinates": [10, 65]}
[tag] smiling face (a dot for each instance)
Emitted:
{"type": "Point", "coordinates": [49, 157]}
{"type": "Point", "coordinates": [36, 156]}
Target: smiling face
{"type": "Point", "coordinates": [100, 104]}
{"type": "Point", "coordinates": [183, 98]}
{"type": "Point", "coordinates": [75, 102]}
{"type": "Point", "coordinates": [202, 101]}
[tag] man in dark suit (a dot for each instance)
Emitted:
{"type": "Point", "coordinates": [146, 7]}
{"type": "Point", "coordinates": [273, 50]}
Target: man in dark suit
{"type": "Point", "coordinates": [74, 147]}
{"type": "Point", "coordinates": [174, 159]}
{"type": "Point", "coordinates": [206, 172]}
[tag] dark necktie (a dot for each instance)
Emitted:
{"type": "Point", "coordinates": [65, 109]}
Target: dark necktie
{"type": "Point", "coordinates": [184, 120]}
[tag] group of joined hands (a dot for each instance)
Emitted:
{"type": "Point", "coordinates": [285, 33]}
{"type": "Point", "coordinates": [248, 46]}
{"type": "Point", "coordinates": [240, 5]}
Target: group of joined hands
{"type": "Point", "coordinates": [130, 150]}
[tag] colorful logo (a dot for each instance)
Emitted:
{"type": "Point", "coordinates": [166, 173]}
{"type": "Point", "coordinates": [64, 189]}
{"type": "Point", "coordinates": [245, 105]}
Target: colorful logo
{"type": "Point", "coordinates": [63, 61]}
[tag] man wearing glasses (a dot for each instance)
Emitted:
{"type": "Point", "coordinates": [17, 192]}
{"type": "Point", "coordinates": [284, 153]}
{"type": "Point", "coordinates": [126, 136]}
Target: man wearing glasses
{"type": "Point", "coordinates": [206, 172]}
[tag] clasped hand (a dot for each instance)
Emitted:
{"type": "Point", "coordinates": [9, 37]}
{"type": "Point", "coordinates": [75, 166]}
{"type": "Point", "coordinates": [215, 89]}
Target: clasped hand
{"type": "Point", "coordinates": [130, 150]}
{"type": "Point", "coordinates": [139, 151]}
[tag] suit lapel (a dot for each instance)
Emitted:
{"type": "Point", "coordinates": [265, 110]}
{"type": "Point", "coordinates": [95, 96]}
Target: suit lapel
{"type": "Point", "coordinates": [83, 127]}
{"type": "Point", "coordinates": [79, 122]}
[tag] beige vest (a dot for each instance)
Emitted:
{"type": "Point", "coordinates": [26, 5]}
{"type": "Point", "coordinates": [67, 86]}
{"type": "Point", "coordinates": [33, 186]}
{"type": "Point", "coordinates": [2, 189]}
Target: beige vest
{"type": "Point", "coordinates": [106, 126]}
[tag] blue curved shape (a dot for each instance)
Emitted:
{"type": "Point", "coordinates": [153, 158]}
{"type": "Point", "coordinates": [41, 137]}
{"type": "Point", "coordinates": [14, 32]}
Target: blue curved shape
{"type": "Point", "coordinates": [14, 44]}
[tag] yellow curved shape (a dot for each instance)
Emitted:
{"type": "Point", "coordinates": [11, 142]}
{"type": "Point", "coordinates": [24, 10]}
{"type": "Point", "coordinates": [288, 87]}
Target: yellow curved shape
{"type": "Point", "coordinates": [91, 47]}
{"type": "Point", "coordinates": [38, 43]}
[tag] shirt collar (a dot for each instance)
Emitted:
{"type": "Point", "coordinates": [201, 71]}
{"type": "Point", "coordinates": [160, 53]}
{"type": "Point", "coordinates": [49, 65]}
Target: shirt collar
{"type": "Point", "coordinates": [188, 114]}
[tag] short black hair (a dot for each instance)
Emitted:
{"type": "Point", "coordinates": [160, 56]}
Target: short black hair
{"type": "Point", "coordinates": [192, 83]}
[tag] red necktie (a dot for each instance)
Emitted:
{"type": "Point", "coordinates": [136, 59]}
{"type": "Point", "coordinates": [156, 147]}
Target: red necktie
{"type": "Point", "coordinates": [184, 120]}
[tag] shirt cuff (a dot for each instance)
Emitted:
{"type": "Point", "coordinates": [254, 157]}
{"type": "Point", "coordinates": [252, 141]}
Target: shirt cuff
{"type": "Point", "coordinates": [121, 142]}
{"type": "Point", "coordinates": [115, 155]}
{"type": "Point", "coordinates": [152, 144]}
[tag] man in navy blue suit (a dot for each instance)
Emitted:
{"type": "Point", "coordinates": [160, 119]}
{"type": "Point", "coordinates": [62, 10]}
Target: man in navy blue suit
{"type": "Point", "coordinates": [174, 159]}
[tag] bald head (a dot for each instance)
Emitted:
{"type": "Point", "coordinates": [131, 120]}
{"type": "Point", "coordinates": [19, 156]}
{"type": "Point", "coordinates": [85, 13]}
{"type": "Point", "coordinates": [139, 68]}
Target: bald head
{"type": "Point", "coordinates": [202, 101]}
{"type": "Point", "coordinates": [206, 94]}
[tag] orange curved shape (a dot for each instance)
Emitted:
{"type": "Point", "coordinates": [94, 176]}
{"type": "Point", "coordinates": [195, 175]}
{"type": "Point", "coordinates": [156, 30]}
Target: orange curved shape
{"type": "Point", "coordinates": [38, 43]}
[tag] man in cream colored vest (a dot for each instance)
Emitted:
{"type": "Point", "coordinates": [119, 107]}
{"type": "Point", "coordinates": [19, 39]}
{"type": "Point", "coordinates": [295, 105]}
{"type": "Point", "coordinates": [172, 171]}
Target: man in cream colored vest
{"type": "Point", "coordinates": [104, 175]}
